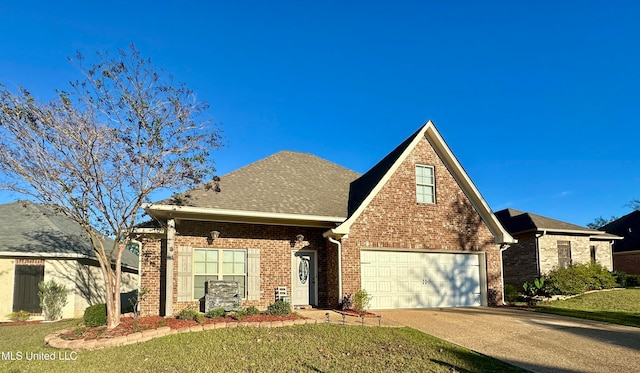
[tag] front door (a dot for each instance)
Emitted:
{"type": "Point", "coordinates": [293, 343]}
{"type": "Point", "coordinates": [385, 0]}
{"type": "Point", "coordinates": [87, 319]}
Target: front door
{"type": "Point", "coordinates": [303, 278]}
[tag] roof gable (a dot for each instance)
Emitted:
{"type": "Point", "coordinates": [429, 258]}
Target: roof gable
{"type": "Point", "coordinates": [284, 183]}
{"type": "Point", "coordinates": [369, 185]}
{"type": "Point", "coordinates": [627, 226]}
{"type": "Point", "coordinates": [32, 229]}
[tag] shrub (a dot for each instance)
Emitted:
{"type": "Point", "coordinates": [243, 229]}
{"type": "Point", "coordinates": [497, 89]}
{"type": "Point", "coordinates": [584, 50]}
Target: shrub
{"type": "Point", "coordinates": [531, 289]}
{"type": "Point", "coordinates": [135, 301]}
{"type": "Point", "coordinates": [53, 298]}
{"type": "Point", "coordinates": [361, 301]}
{"type": "Point", "coordinates": [95, 315]}
{"type": "Point", "coordinates": [626, 280]}
{"type": "Point", "coordinates": [578, 278]}
{"type": "Point", "coordinates": [347, 302]}
{"type": "Point", "coordinates": [511, 293]}
{"type": "Point", "coordinates": [251, 310]}
{"type": "Point", "coordinates": [190, 313]}
{"type": "Point", "coordinates": [279, 308]}
{"type": "Point", "coordinates": [215, 313]}
{"type": "Point", "coordinates": [19, 316]}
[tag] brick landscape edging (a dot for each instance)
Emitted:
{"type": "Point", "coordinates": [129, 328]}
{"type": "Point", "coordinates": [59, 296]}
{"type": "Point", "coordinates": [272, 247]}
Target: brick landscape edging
{"type": "Point", "coordinates": [55, 341]}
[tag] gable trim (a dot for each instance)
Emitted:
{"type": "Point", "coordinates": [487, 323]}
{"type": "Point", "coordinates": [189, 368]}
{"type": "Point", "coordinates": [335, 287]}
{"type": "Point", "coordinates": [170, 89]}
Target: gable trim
{"type": "Point", "coordinates": [432, 135]}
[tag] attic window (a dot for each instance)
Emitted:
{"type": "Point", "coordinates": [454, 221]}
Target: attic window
{"type": "Point", "coordinates": [425, 184]}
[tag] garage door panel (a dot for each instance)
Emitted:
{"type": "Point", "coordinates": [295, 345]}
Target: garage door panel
{"type": "Point", "coordinates": [419, 280]}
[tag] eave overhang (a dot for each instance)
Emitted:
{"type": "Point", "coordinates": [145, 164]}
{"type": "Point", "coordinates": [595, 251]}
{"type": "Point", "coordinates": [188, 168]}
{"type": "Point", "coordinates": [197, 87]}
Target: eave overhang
{"type": "Point", "coordinates": [164, 212]}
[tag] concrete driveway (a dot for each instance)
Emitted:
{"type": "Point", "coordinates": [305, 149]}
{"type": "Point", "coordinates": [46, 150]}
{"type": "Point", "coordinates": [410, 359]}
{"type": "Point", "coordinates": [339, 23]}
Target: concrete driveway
{"type": "Point", "coordinates": [533, 341]}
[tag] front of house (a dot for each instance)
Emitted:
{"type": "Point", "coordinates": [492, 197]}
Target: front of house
{"type": "Point", "coordinates": [413, 231]}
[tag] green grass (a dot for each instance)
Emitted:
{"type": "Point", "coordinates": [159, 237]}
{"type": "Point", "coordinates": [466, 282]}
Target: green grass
{"type": "Point", "coordinates": [302, 348]}
{"type": "Point", "coordinates": [616, 306]}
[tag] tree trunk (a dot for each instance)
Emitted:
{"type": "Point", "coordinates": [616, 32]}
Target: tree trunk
{"type": "Point", "coordinates": [112, 297]}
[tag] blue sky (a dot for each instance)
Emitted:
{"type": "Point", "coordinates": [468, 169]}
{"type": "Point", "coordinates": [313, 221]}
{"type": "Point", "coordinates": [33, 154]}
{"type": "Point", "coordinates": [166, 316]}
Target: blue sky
{"type": "Point", "coordinates": [540, 102]}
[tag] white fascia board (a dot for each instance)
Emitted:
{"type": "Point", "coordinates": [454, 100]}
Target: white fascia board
{"type": "Point", "coordinates": [148, 231]}
{"type": "Point", "coordinates": [238, 216]}
{"type": "Point", "coordinates": [439, 145]}
{"type": "Point", "coordinates": [45, 255]}
{"type": "Point", "coordinates": [343, 229]}
{"type": "Point", "coordinates": [468, 187]}
{"type": "Point", "coordinates": [592, 234]}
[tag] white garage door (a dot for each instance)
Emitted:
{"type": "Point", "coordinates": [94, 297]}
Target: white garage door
{"type": "Point", "coordinates": [398, 279]}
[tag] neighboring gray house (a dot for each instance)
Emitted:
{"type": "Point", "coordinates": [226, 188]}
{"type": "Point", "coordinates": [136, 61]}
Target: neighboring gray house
{"type": "Point", "coordinates": [545, 244]}
{"type": "Point", "coordinates": [38, 243]}
{"type": "Point", "coordinates": [626, 252]}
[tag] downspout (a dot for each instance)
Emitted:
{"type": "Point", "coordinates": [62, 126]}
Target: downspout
{"type": "Point", "coordinates": [171, 234]}
{"type": "Point", "coordinates": [538, 252]}
{"type": "Point", "coordinates": [503, 247]}
{"type": "Point", "coordinates": [333, 240]}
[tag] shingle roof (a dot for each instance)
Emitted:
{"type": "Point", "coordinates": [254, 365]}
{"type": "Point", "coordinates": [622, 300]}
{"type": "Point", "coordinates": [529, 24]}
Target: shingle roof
{"type": "Point", "coordinates": [286, 182]}
{"type": "Point", "coordinates": [31, 228]}
{"type": "Point", "coordinates": [516, 221]}
{"type": "Point", "coordinates": [628, 227]}
{"type": "Point", "coordinates": [361, 187]}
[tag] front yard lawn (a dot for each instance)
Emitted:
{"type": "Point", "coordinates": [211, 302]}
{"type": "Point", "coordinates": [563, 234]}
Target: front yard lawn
{"type": "Point", "coordinates": [301, 348]}
{"type": "Point", "coordinates": [614, 306]}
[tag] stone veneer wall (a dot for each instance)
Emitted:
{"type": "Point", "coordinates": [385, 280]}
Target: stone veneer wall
{"type": "Point", "coordinates": [580, 251]}
{"type": "Point", "coordinates": [394, 219]}
{"type": "Point", "coordinates": [275, 245]}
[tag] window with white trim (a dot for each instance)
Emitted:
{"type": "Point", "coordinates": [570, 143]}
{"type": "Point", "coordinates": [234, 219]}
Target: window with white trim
{"type": "Point", "coordinates": [425, 184]}
{"type": "Point", "coordinates": [219, 264]}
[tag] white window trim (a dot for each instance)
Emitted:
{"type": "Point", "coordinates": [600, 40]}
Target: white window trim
{"type": "Point", "coordinates": [433, 172]}
{"type": "Point", "coordinates": [220, 273]}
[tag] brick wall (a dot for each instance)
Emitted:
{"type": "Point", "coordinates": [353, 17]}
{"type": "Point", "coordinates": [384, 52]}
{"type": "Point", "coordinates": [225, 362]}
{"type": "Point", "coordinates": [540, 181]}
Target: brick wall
{"type": "Point", "coordinates": [394, 219]}
{"type": "Point", "coordinates": [275, 243]}
{"type": "Point", "coordinates": [627, 261]}
{"type": "Point", "coordinates": [520, 261]}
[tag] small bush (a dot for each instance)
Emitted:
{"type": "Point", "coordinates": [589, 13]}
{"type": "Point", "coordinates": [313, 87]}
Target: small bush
{"type": "Point", "coordinates": [279, 308]}
{"type": "Point", "coordinates": [511, 293]}
{"type": "Point", "coordinates": [53, 298]}
{"type": "Point", "coordinates": [626, 280]}
{"type": "Point", "coordinates": [534, 288]}
{"type": "Point", "coordinates": [95, 315]}
{"type": "Point", "coordinates": [347, 302]}
{"type": "Point", "coordinates": [251, 310]}
{"type": "Point", "coordinates": [19, 316]}
{"type": "Point", "coordinates": [190, 313]}
{"type": "Point", "coordinates": [215, 313]}
{"type": "Point", "coordinates": [361, 301]}
{"type": "Point", "coordinates": [578, 278]}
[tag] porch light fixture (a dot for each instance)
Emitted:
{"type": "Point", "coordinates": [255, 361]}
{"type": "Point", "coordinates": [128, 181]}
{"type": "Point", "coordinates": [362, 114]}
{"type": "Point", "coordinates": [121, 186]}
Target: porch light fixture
{"type": "Point", "coordinates": [299, 238]}
{"type": "Point", "coordinates": [214, 234]}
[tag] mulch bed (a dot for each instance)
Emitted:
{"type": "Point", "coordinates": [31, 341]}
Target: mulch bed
{"type": "Point", "coordinates": [355, 313]}
{"type": "Point", "coordinates": [128, 325]}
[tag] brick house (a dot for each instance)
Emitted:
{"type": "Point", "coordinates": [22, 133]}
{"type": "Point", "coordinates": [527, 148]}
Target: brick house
{"type": "Point", "coordinates": [626, 252]}
{"type": "Point", "coordinates": [413, 231]}
{"type": "Point", "coordinates": [545, 243]}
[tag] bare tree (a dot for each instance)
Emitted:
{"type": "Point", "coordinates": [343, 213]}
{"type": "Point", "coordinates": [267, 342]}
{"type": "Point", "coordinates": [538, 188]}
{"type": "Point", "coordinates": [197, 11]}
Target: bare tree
{"type": "Point", "coordinates": [96, 152]}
